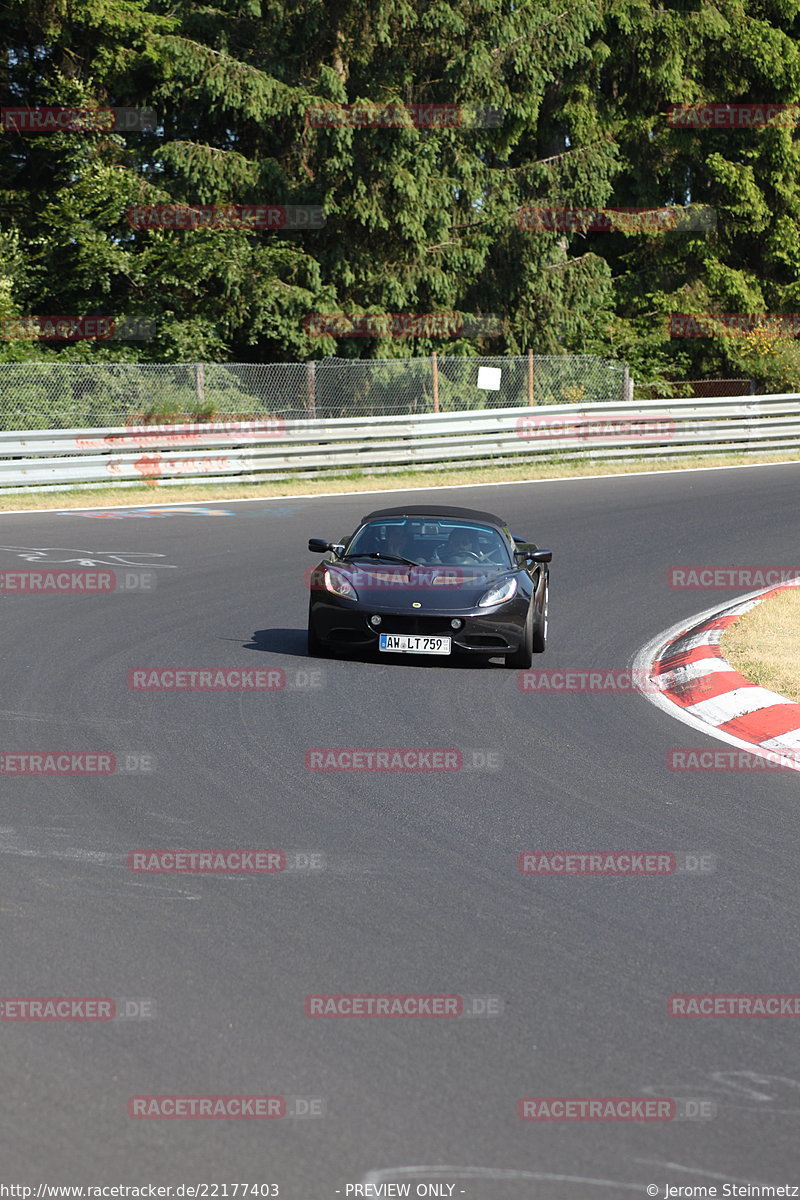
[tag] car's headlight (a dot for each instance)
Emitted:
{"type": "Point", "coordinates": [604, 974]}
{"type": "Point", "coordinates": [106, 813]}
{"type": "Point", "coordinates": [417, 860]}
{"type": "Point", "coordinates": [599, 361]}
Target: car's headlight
{"type": "Point", "coordinates": [499, 593]}
{"type": "Point", "coordinates": [340, 585]}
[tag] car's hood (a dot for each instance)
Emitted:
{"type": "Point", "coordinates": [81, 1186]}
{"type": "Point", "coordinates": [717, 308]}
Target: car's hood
{"type": "Point", "coordinates": [427, 587]}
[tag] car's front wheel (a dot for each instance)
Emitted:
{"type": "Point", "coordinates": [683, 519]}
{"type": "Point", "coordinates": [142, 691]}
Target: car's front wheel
{"type": "Point", "coordinates": [316, 648]}
{"type": "Point", "coordinates": [540, 622]}
{"type": "Point", "coordinates": [522, 657]}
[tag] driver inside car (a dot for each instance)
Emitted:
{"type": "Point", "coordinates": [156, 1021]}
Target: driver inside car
{"type": "Point", "coordinates": [398, 542]}
{"type": "Point", "coordinates": [461, 547]}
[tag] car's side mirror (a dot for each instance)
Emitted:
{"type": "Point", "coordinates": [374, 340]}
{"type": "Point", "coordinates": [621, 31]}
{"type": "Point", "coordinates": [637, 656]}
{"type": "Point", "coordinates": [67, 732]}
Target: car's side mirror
{"type": "Point", "coordinates": [527, 553]}
{"type": "Point", "coordinates": [319, 546]}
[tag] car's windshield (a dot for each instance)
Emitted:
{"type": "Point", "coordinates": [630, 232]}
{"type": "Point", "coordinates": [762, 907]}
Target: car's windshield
{"type": "Point", "coordinates": [431, 541]}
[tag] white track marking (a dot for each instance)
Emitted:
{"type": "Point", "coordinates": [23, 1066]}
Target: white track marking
{"type": "Point", "coordinates": [735, 703]}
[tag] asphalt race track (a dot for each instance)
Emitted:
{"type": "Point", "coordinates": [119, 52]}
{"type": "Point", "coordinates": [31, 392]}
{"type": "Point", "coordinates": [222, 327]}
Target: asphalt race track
{"type": "Point", "coordinates": [420, 891]}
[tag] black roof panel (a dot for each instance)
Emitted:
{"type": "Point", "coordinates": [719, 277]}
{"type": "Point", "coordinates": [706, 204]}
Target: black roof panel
{"type": "Point", "coordinates": [437, 510]}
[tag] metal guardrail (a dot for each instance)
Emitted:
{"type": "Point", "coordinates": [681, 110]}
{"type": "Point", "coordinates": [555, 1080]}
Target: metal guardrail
{"type": "Point", "coordinates": [255, 451]}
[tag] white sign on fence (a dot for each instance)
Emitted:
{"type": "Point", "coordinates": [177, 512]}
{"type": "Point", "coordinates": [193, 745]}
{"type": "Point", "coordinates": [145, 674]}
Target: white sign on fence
{"type": "Point", "coordinates": [489, 378]}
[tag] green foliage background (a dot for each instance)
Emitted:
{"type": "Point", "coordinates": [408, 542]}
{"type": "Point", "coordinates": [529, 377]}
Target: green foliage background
{"type": "Point", "coordinates": [417, 220]}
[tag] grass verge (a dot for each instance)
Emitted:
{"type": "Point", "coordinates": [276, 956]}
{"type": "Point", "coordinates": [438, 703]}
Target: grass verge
{"type": "Point", "coordinates": [551, 468]}
{"type": "Point", "coordinates": [764, 644]}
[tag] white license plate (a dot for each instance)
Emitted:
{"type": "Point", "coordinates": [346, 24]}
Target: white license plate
{"type": "Point", "coordinates": [413, 643]}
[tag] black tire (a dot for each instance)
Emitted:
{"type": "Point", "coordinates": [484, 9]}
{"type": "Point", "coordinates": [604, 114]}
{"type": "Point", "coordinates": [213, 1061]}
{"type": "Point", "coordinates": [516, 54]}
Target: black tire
{"type": "Point", "coordinates": [540, 622]}
{"type": "Point", "coordinates": [316, 648]}
{"type": "Point", "coordinates": [522, 658]}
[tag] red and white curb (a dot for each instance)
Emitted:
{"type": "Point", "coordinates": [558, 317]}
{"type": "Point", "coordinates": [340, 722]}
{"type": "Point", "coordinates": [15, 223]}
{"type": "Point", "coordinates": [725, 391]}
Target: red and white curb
{"type": "Point", "coordinates": [682, 671]}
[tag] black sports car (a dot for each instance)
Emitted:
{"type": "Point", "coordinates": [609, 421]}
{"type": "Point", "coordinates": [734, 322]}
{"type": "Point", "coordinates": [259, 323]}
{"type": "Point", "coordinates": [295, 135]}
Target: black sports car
{"type": "Point", "coordinates": [430, 580]}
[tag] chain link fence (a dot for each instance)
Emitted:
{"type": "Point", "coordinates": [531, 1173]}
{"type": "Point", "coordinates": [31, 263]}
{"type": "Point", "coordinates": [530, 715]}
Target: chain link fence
{"type": "Point", "coordinates": [80, 395]}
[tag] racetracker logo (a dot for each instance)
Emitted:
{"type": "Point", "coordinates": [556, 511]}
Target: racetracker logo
{"type": "Point", "coordinates": [686, 325]}
{"type": "Point", "coordinates": [644, 429]}
{"type": "Point", "coordinates": [77, 329]}
{"type": "Point", "coordinates": [698, 759]}
{"type": "Point", "coordinates": [74, 1008]}
{"type": "Point", "coordinates": [614, 1108]}
{"type": "Point", "coordinates": [588, 679]}
{"type": "Point", "coordinates": [145, 425]}
{"type": "Point", "coordinates": [399, 116]}
{"type": "Point", "coordinates": [206, 679]}
{"type": "Point", "coordinates": [208, 1107]}
{"type": "Point", "coordinates": [549, 862]}
{"type": "Point", "coordinates": [741, 1004]}
{"type": "Point", "coordinates": [402, 325]}
{"type": "Point", "coordinates": [75, 583]}
{"type": "Point", "coordinates": [616, 862]}
{"type": "Point", "coordinates": [399, 575]}
{"type": "Point", "coordinates": [732, 116]}
{"type": "Point", "coordinates": [59, 762]}
{"type": "Point", "coordinates": [202, 862]}
{"type": "Point", "coordinates": [56, 119]}
{"type": "Point", "coordinates": [393, 1005]}
{"type": "Point", "coordinates": [750, 578]}
{"type": "Point", "coordinates": [226, 216]}
{"type": "Point", "coordinates": [389, 759]}
{"type": "Point", "coordinates": [674, 219]}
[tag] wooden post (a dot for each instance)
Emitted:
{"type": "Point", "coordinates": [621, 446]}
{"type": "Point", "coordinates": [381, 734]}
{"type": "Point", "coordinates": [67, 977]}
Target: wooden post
{"type": "Point", "coordinates": [435, 383]}
{"type": "Point", "coordinates": [311, 388]}
{"type": "Point", "coordinates": [530, 378]}
{"type": "Point", "coordinates": [200, 382]}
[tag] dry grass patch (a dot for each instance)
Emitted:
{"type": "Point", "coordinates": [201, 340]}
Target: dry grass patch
{"type": "Point", "coordinates": [764, 644]}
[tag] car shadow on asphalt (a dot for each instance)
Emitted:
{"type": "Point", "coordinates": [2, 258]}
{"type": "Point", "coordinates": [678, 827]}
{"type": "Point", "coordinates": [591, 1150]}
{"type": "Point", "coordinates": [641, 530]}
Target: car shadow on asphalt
{"type": "Point", "coordinates": [292, 642]}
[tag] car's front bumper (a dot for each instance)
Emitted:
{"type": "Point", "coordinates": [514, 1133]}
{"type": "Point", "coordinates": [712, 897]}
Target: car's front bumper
{"type": "Point", "coordinates": [491, 631]}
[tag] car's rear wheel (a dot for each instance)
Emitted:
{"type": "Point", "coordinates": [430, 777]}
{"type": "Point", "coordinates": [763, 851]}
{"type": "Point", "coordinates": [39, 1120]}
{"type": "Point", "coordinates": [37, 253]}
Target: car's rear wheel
{"type": "Point", "coordinates": [540, 622]}
{"type": "Point", "coordinates": [522, 657]}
